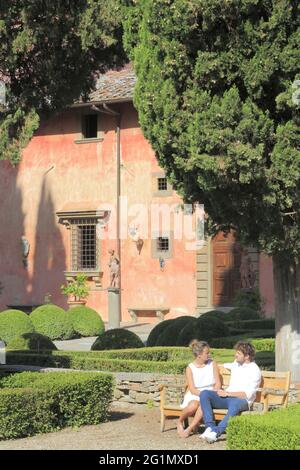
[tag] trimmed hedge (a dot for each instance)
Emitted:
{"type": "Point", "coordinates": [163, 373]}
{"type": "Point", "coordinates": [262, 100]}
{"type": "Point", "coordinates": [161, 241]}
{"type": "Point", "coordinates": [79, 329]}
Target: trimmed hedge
{"type": "Point", "coordinates": [156, 331]}
{"type": "Point", "coordinates": [117, 338]}
{"type": "Point", "coordinates": [260, 344]}
{"type": "Point", "coordinates": [31, 342]}
{"type": "Point", "coordinates": [26, 412]}
{"type": "Point", "coordinates": [264, 344]}
{"type": "Point", "coordinates": [203, 329]}
{"type": "Point", "coordinates": [66, 399]}
{"type": "Point", "coordinates": [170, 334]}
{"type": "Point", "coordinates": [165, 360]}
{"type": "Point", "coordinates": [14, 323]}
{"type": "Point", "coordinates": [219, 314]}
{"type": "Point", "coordinates": [52, 321]}
{"type": "Point", "coordinates": [263, 324]}
{"type": "Point", "coordinates": [236, 314]}
{"type": "Point", "coordinates": [243, 313]}
{"type": "Point", "coordinates": [276, 430]}
{"type": "Point", "coordinates": [86, 321]}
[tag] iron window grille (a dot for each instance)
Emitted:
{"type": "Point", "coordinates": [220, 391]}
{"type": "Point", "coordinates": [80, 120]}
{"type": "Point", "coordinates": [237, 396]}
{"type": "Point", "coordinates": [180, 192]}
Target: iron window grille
{"type": "Point", "coordinates": [162, 184]}
{"type": "Point", "coordinates": [84, 245]}
{"type": "Point", "coordinates": [162, 244]}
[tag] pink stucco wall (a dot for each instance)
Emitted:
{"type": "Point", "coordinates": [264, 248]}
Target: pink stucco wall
{"type": "Point", "coordinates": [55, 171]}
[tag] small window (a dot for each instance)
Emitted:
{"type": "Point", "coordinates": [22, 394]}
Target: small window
{"type": "Point", "coordinates": [84, 245]}
{"type": "Point", "coordinates": [90, 126]}
{"type": "Point", "coordinates": [162, 244]}
{"type": "Point", "coordinates": [162, 184]}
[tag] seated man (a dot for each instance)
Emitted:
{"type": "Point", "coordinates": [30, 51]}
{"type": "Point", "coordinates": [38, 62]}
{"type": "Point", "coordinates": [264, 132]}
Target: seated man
{"type": "Point", "coordinates": [245, 380]}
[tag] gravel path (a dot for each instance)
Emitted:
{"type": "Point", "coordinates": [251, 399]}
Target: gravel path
{"type": "Point", "coordinates": [128, 428]}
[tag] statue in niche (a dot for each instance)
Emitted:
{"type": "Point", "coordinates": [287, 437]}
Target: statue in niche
{"type": "Point", "coordinates": [248, 275]}
{"type": "Point", "coordinates": [114, 266]}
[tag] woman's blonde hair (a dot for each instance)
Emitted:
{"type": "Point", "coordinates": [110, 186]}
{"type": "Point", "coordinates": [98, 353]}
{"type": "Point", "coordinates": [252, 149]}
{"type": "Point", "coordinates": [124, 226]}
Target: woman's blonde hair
{"type": "Point", "coordinates": [198, 346]}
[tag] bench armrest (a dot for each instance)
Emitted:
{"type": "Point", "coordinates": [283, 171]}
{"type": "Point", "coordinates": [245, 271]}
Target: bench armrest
{"type": "Point", "coordinates": [266, 392]}
{"type": "Point", "coordinates": [271, 391]}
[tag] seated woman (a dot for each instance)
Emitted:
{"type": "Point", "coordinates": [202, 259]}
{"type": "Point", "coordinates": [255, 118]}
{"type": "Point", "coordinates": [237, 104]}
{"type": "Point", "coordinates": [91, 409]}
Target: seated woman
{"type": "Point", "coordinates": [202, 374]}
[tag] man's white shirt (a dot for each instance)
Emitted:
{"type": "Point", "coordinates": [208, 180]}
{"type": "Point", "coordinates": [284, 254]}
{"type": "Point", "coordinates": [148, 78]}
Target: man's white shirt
{"type": "Point", "coordinates": [244, 378]}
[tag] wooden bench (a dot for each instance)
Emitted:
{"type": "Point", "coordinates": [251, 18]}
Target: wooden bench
{"type": "Point", "coordinates": [159, 312]}
{"type": "Point", "coordinates": [273, 390]}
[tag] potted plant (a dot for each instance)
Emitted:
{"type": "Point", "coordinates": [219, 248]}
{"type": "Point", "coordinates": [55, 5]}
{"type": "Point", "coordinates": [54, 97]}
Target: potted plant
{"type": "Point", "coordinates": [77, 290]}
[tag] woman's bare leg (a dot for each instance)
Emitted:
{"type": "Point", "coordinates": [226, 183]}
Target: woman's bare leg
{"type": "Point", "coordinates": [195, 422]}
{"type": "Point", "coordinates": [188, 411]}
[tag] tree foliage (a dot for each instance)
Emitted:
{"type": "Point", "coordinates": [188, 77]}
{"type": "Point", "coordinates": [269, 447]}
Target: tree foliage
{"type": "Point", "coordinates": [216, 98]}
{"type": "Point", "coordinates": [49, 53]}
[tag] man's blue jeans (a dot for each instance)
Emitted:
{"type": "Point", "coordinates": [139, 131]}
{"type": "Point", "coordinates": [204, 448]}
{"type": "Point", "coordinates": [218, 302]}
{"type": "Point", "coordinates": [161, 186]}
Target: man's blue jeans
{"type": "Point", "coordinates": [209, 399]}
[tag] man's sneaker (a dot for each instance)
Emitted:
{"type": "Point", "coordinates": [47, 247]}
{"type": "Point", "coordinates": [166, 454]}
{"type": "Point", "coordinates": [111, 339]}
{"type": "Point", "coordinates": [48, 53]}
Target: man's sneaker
{"type": "Point", "coordinates": [205, 433]}
{"type": "Point", "coordinates": [211, 437]}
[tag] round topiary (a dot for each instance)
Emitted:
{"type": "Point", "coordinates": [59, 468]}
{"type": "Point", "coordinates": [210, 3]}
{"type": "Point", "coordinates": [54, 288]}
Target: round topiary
{"type": "Point", "coordinates": [117, 339]}
{"type": "Point", "coordinates": [14, 323]}
{"type": "Point", "coordinates": [86, 321]}
{"type": "Point", "coordinates": [216, 314]}
{"type": "Point", "coordinates": [169, 335]}
{"type": "Point", "coordinates": [31, 342]}
{"type": "Point", "coordinates": [203, 329]}
{"type": "Point", "coordinates": [156, 331]}
{"type": "Point", "coordinates": [52, 321]}
{"type": "Point", "coordinates": [243, 313]}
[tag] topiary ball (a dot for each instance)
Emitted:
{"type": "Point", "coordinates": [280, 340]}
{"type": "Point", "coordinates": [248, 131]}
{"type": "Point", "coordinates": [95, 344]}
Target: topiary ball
{"type": "Point", "coordinates": [14, 323]}
{"type": "Point", "coordinates": [170, 334]}
{"type": "Point", "coordinates": [86, 321]}
{"type": "Point", "coordinates": [216, 314]}
{"type": "Point", "coordinates": [52, 321]}
{"type": "Point", "coordinates": [243, 313]}
{"type": "Point", "coordinates": [117, 339]}
{"type": "Point", "coordinates": [203, 329]}
{"type": "Point", "coordinates": [31, 342]}
{"type": "Point", "coordinates": [156, 331]}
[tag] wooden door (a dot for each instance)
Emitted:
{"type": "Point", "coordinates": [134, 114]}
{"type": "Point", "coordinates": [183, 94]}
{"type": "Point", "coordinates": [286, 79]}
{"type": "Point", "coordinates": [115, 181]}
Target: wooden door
{"type": "Point", "coordinates": [226, 269]}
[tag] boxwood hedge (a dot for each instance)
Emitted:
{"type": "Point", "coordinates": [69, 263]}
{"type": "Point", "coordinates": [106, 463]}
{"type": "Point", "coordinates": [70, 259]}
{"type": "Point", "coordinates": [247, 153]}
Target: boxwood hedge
{"type": "Point", "coordinates": [14, 323]}
{"type": "Point", "coordinates": [52, 321]}
{"type": "Point", "coordinates": [275, 430]}
{"type": "Point", "coordinates": [33, 402]}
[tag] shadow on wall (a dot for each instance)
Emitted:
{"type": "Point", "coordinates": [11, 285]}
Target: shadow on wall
{"type": "Point", "coordinates": [13, 276]}
{"type": "Point", "coordinates": [49, 261]}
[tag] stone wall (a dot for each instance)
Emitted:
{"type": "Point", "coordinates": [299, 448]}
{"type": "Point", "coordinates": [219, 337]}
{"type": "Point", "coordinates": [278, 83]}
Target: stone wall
{"type": "Point", "coordinates": [143, 389]}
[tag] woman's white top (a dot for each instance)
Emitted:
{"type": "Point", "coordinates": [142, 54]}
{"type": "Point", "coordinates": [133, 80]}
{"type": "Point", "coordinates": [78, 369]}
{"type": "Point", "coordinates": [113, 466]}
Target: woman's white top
{"type": "Point", "coordinates": [204, 379]}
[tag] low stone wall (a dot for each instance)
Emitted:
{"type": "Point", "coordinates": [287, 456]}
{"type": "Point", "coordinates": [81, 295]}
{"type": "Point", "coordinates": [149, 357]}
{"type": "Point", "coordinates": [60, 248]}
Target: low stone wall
{"type": "Point", "coordinates": [143, 388]}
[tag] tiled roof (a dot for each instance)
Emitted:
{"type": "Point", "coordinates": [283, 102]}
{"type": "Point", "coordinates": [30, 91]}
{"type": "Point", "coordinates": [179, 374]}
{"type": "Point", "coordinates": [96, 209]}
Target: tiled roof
{"type": "Point", "coordinates": [115, 85]}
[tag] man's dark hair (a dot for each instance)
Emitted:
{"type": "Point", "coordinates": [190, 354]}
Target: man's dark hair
{"type": "Point", "coordinates": [246, 348]}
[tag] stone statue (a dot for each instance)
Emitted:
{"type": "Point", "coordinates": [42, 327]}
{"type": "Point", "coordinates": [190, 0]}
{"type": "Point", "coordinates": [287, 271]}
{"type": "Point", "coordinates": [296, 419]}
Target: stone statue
{"type": "Point", "coordinates": [247, 272]}
{"type": "Point", "coordinates": [114, 265]}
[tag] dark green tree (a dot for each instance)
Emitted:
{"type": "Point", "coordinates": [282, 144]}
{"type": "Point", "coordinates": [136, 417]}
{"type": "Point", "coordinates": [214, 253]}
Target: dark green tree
{"type": "Point", "coordinates": [50, 51]}
{"type": "Point", "coordinates": [217, 98]}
